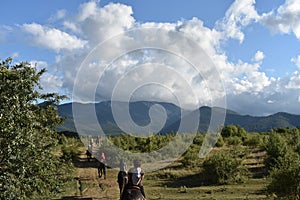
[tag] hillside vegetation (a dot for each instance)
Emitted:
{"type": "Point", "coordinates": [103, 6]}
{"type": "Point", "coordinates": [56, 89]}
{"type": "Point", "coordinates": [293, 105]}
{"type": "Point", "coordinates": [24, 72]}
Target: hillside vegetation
{"type": "Point", "coordinates": [241, 166]}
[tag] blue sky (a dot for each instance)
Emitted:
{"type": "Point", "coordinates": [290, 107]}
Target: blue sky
{"type": "Point", "coordinates": [254, 45]}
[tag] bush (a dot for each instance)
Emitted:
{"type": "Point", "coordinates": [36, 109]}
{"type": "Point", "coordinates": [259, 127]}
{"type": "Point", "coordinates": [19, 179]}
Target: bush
{"type": "Point", "coordinates": [223, 167]}
{"type": "Point", "coordinates": [234, 140]}
{"type": "Point", "coordinates": [276, 147]}
{"type": "Point", "coordinates": [69, 148]}
{"type": "Point", "coordinates": [220, 141]}
{"type": "Point", "coordinates": [253, 140]}
{"type": "Point", "coordinates": [285, 178]}
{"type": "Point", "coordinates": [69, 152]}
{"type": "Point", "coordinates": [191, 156]}
{"type": "Point", "coordinates": [233, 130]}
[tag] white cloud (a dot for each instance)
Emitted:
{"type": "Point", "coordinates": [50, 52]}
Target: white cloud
{"type": "Point", "coordinates": [98, 24]}
{"type": "Point", "coordinates": [52, 38]}
{"type": "Point", "coordinates": [50, 82]}
{"type": "Point", "coordinates": [60, 14]}
{"type": "Point", "coordinates": [71, 26]}
{"type": "Point", "coordinates": [239, 15]}
{"type": "Point", "coordinates": [38, 64]}
{"type": "Point", "coordinates": [296, 61]}
{"type": "Point", "coordinates": [285, 19]}
{"type": "Point", "coordinates": [208, 39]}
{"type": "Point", "coordinates": [259, 56]}
{"type": "Point", "coordinates": [294, 82]}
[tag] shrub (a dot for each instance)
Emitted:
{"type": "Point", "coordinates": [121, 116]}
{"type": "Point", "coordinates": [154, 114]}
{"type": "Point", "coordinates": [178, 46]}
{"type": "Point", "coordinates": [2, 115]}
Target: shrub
{"type": "Point", "coordinates": [223, 167]}
{"type": "Point", "coordinates": [253, 140]}
{"type": "Point", "coordinates": [232, 130]}
{"type": "Point", "coordinates": [69, 152]}
{"type": "Point", "coordinates": [191, 156]}
{"type": "Point", "coordinates": [234, 140]}
{"type": "Point", "coordinates": [220, 141]}
{"type": "Point", "coordinates": [276, 147]}
{"type": "Point", "coordinates": [285, 178]}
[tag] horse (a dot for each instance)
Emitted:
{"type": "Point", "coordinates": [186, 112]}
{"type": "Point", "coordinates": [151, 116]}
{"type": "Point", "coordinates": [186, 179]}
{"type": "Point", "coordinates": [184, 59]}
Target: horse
{"type": "Point", "coordinates": [132, 193]}
{"type": "Point", "coordinates": [122, 181]}
{"type": "Point", "coordinates": [88, 155]}
{"type": "Point", "coordinates": [101, 170]}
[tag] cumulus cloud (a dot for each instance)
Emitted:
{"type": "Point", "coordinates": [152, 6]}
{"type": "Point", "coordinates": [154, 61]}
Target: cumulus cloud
{"type": "Point", "coordinates": [239, 15]}
{"type": "Point", "coordinates": [259, 56]}
{"type": "Point", "coordinates": [52, 38]}
{"type": "Point", "coordinates": [98, 24]}
{"type": "Point", "coordinates": [50, 81]}
{"type": "Point", "coordinates": [294, 82]}
{"type": "Point", "coordinates": [285, 19]}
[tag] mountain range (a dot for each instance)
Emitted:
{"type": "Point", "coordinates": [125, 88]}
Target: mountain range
{"type": "Point", "coordinates": [142, 112]}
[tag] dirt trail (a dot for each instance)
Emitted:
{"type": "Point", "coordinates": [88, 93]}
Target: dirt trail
{"type": "Point", "coordinates": [89, 185]}
{"type": "Point", "coordinates": [255, 163]}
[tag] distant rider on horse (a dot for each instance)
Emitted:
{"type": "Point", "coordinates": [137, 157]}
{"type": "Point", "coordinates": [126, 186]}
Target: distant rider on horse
{"type": "Point", "coordinates": [135, 177]}
{"type": "Point", "coordinates": [102, 166]}
{"type": "Point", "coordinates": [122, 176]}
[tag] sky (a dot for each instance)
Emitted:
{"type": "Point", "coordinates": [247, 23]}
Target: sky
{"type": "Point", "coordinates": [240, 54]}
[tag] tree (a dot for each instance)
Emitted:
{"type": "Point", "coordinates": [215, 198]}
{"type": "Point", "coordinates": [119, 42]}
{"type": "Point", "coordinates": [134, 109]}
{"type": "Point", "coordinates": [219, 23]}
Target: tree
{"type": "Point", "coordinates": [29, 169]}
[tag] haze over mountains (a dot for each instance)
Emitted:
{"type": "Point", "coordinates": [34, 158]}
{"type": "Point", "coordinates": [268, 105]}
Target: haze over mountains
{"type": "Point", "coordinates": [173, 115]}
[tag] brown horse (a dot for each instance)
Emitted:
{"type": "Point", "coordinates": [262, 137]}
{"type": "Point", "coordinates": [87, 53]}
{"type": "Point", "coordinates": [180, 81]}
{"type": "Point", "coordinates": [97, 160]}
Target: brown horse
{"type": "Point", "coordinates": [101, 170]}
{"type": "Point", "coordinates": [132, 193]}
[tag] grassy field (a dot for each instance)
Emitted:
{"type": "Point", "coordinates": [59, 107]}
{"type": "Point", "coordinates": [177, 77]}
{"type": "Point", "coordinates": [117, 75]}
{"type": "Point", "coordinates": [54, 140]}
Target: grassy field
{"type": "Point", "coordinates": [171, 183]}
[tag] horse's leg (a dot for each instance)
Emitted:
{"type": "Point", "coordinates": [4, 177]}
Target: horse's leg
{"type": "Point", "coordinates": [104, 171]}
{"type": "Point", "coordinates": [99, 172]}
{"type": "Point", "coordinates": [122, 186]}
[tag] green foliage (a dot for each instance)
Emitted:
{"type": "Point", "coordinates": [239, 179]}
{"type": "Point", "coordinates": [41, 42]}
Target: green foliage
{"type": "Point", "coordinates": [283, 162]}
{"type": "Point", "coordinates": [29, 169]}
{"type": "Point", "coordinates": [69, 148]}
{"type": "Point", "coordinates": [234, 140]}
{"type": "Point", "coordinates": [253, 140]}
{"type": "Point", "coordinates": [223, 167]}
{"type": "Point", "coordinates": [285, 178]}
{"type": "Point", "coordinates": [220, 141]}
{"type": "Point", "coordinates": [276, 147]}
{"type": "Point", "coordinates": [233, 130]}
{"type": "Point", "coordinates": [191, 156]}
{"type": "Point", "coordinates": [141, 144]}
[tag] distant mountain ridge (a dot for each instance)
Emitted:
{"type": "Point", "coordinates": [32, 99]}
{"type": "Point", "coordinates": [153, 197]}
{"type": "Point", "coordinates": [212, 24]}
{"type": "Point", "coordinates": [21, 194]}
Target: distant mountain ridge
{"type": "Point", "coordinates": [139, 112]}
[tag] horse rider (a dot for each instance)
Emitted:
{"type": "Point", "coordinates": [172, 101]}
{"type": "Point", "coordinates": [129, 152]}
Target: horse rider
{"type": "Point", "coordinates": [102, 166]}
{"type": "Point", "coordinates": [135, 176]}
{"type": "Point", "coordinates": [122, 176]}
{"type": "Point", "coordinates": [102, 158]}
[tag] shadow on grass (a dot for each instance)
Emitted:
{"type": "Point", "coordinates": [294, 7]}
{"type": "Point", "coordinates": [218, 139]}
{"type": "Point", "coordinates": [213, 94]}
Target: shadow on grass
{"type": "Point", "coordinates": [76, 198]}
{"type": "Point", "coordinates": [85, 163]}
{"type": "Point", "coordinates": [188, 181]}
